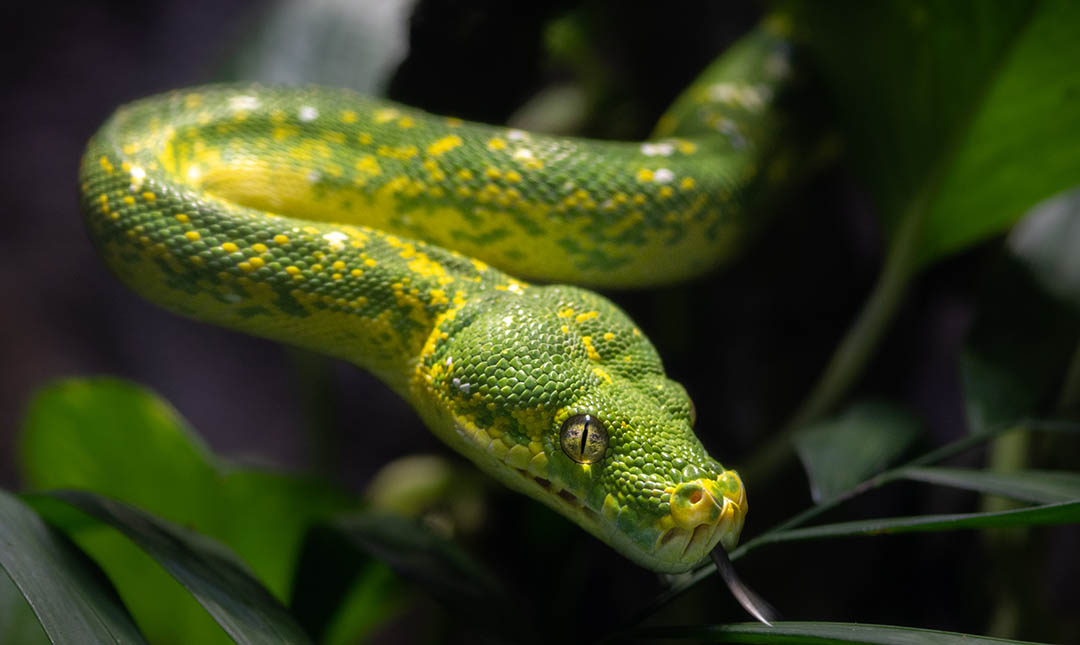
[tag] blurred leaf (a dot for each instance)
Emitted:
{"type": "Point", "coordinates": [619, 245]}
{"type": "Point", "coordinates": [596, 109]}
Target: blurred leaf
{"type": "Point", "coordinates": [840, 453]}
{"type": "Point", "coordinates": [1047, 240]}
{"type": "Point", "coordinates": [1005, 380]}
{"type": "Point", "coordinates": [440, 568]}
{"type": "Point", "coordinates": [341, 43]}
{"type": "Point", "coordinates": [559, 109]}
{"type": "Point", "coordinates": [993, 393]}
{"type": "Point", "coordinates": [376, 596]}
{"type": "Point", "coordinates": [1046, 515]}
{"type": "Point", "coordinates": [1039, 486]}
{"type": "Point", "coordinates": [960, 113]}
{"type": "Point", "coordinates": [206, 568]}
{"type": "Point", "coordinates": [341, 594]}
{"type": "Point", "coordinates": [814, 632]}
{"type": "Point", "coordinates": [119, 440]}
{"type": "Point", "coordinates": [69, 594]}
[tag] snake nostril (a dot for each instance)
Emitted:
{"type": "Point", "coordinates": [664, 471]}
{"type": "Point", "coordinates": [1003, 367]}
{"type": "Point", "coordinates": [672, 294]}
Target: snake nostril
{"type": "Point", "coordinates": [695, 497]}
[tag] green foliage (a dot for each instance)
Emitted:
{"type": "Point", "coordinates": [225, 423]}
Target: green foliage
{"type": "Point", "coordinates": [1045, 515]}
{"type": "Point", "coordinates": [1040, 486]}
{"type": "Point", "coordinates": [958, 112]}
{"type": "Point", "coordinates": [206, 569]}
{"type": "Point", "coordinates": [841, 452]}
{"type": "Point", "coordinates": [70, 595]}
{"type": "Point", "coordinates": [121, 441]}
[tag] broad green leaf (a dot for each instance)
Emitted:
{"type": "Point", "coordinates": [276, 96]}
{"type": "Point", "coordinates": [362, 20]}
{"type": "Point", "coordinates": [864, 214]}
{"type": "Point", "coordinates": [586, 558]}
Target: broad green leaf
{"type": "Point", "coordinates": [69, 594]}
{"type": "Point", "coordinates": [1039, 486]}
{"type": "Point", "coordinates": [1045, 515]}
{"type": "Point", "coordinates": [119, 440]}
{"type": "Point", "coordinates": [841, 452]}
{"type": "Point", "coordinates": [959, 112]}
{"type": "Point", "coordinates": [222, 584]}
{"type": "Point", "coordinates": [812, 633]}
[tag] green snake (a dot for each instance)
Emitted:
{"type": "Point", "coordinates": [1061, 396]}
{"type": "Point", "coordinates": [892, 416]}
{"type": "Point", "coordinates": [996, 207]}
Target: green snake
{"type": "Point", "coordinates": [387, 236]}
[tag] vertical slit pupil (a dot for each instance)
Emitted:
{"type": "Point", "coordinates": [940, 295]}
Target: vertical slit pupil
{"type": "Point", "coordinates": [585, 435]}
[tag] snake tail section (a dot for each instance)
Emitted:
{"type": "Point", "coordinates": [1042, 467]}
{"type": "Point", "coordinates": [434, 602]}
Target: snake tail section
{"type": "Point", "coordinates": [325, 219]}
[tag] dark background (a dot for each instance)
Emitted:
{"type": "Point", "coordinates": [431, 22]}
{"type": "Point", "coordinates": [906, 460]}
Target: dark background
{"type": "Point", "coordinates": [779, 310]}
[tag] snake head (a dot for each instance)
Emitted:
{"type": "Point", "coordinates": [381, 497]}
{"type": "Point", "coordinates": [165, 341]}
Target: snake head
{"type": "Point", "coordinates": [555, 391]}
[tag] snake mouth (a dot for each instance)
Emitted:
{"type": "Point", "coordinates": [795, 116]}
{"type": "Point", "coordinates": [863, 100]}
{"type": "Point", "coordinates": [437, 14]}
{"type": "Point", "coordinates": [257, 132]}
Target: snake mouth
{"type": "Point", "coordinates": [704, 512]}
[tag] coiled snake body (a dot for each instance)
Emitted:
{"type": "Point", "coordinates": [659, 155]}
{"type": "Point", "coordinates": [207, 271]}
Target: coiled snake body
{"type": "Point", "coordinates": [325, 219]}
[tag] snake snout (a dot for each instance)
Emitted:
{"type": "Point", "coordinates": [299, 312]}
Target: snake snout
{"type": "Point", "coordinates": [719, 502]}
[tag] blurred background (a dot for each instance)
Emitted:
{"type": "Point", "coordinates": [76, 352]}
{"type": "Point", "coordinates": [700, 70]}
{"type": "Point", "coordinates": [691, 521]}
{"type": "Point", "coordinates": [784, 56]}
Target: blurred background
{"type": "Point", "coordinates": [601, 69]}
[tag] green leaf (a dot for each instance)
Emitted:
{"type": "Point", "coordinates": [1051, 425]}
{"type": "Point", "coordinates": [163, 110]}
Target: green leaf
{"type": "Point", "coordinates": [341, 594]}
{"type": "Point", "coordinates": [69, 594]}
{"type": "Point", "coordinates": [440, 568]}
{"type": "Point", "coordinates": [1005, 380]}
{"type": "Point", "coordinates": [376, 596]}
{"type": "Point", "coordinates": [1039, 486]}
{"type": "Point", "coordinates": [1045, 515]}
{"type": "Point", "coordinates": [221, 583]}
{"type": "Point", "coordinates": [122, 441]}
{"type": "Point", "coordinates": [841, 452]}
{"type": "Point", "coordinates": [994, 394]}
{"type": "Point", "coordinates": [814, 632]}
{"type": "Point", "coordinates": [959, 113]}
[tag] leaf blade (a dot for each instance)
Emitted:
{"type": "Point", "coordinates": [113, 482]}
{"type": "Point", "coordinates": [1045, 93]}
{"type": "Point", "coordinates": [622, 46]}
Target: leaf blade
{"type": "Point", "coordinates": [1043, 515]}
{"type": "Point", "coordinates": [224, 586]}
{"type": "Point", "coordinates": [814, 633]}
{"type": "Point", "coordinates": [1038, 486]}
{"type": "Point", "coordinates": [70, 595]}
{"type": "Point", "coordinates": [440, 568]}
{"type": "Point", "coordinates": [865, 439]}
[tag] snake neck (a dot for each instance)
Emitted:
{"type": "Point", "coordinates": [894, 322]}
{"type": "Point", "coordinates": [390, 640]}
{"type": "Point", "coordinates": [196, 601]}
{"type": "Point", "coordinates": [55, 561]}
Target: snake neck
{"type": "Point", "coordinates": [353, 292]}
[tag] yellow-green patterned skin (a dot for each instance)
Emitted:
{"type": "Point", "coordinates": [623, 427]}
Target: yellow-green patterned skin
{"type": "Point", "coordinates": [325, 219]}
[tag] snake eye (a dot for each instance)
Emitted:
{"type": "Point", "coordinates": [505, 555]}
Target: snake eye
{"type": "Point", "coordinates": [584, 439]}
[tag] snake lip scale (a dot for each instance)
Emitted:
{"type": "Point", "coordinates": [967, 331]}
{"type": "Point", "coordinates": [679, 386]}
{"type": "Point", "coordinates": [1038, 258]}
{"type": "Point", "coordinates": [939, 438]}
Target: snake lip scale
{"type": "Point", "coordinates": [400, 240]}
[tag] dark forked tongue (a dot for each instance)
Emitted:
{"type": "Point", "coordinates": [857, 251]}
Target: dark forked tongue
{"type": "Point", "coordinates": [754, 604]}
